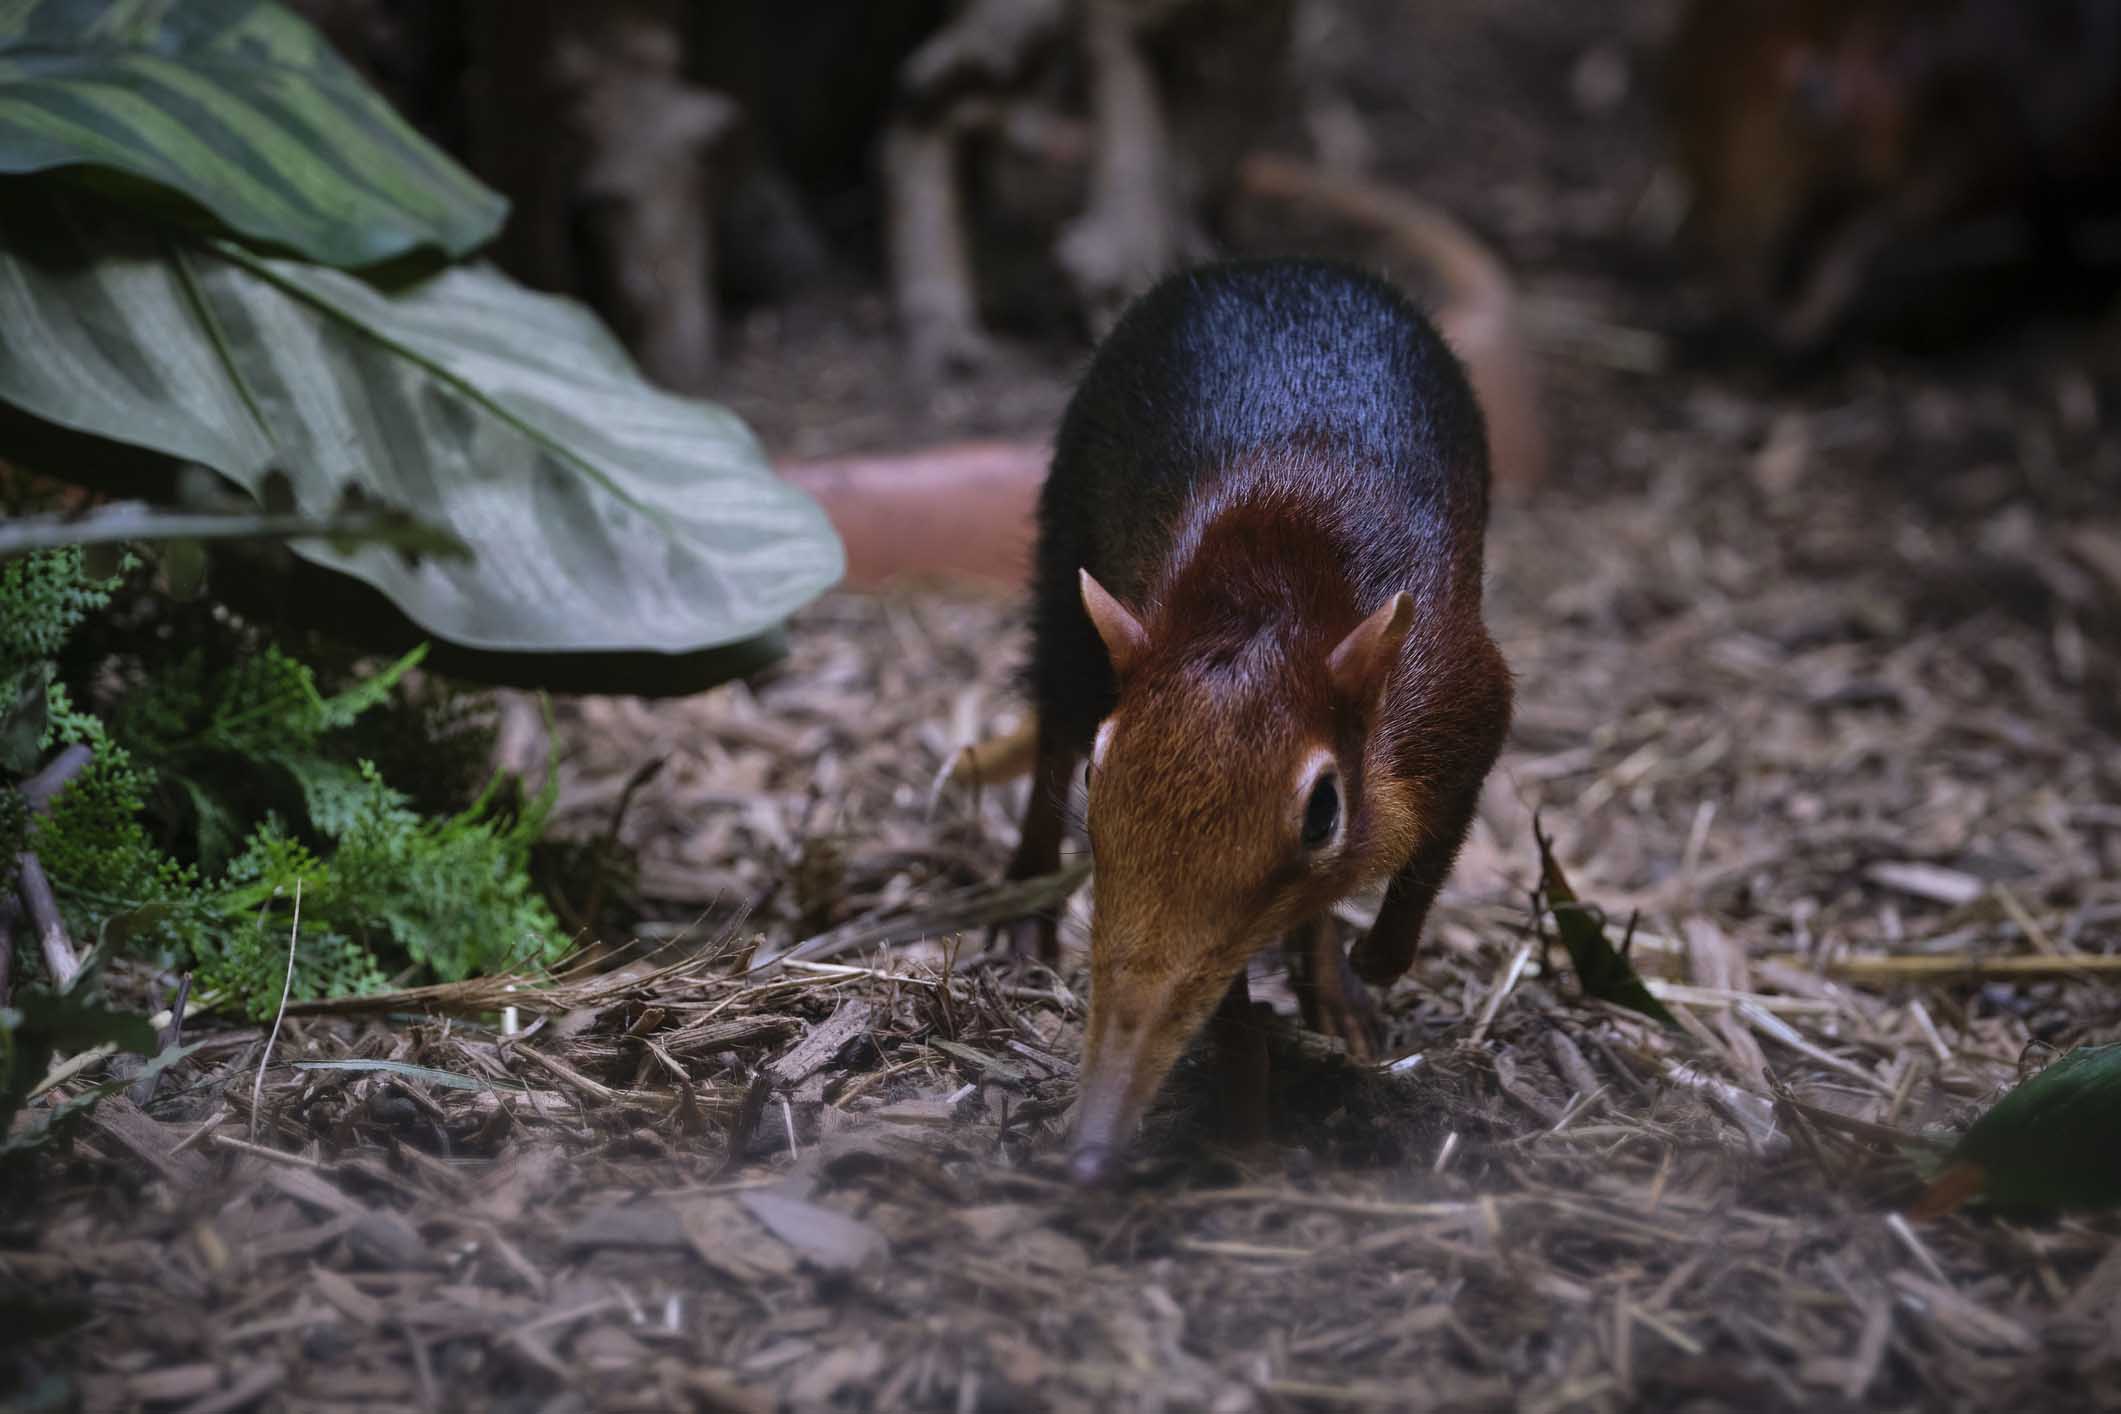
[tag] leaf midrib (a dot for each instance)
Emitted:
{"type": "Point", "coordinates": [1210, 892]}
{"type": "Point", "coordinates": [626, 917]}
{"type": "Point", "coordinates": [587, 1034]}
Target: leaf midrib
{"type": "Point", "coordinates": [264, 270]}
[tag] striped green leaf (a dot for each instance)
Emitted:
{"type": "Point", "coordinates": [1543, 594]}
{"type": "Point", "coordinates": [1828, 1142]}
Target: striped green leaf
{"type": "Point", "coordinates": [239, 106]}
{"type": "Point", "coordinates": [603, 513]}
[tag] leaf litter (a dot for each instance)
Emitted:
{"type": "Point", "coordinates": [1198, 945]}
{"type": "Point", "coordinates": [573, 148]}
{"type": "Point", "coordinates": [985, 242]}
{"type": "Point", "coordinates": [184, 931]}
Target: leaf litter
{"type": "Point", "coordinates": [682, 1181]}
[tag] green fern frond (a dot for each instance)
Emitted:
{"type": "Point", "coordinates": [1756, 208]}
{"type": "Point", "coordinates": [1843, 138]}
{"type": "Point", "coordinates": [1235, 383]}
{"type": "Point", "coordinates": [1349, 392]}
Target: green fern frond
{"type": "Point", "coordinates": [463, 902]}
{"type": "Point", "coordinates": [92, 842]}
{"type": "Point", "coordinates": [228, 775]}
{"type": "Point", "coordinates": [270, 705]}
{"type": "Point", "coordinates": [46, 596]}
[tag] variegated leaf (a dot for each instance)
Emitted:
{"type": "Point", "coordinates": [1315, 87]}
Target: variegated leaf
{"type": "Point", "coordinates": [241, 107]}
{"type": "Point", "coordinates": [604, 514]}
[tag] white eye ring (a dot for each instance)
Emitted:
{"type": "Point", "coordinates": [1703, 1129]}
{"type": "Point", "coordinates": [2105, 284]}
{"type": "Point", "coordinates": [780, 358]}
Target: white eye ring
{"type": "Point", "coordinates": [1319, 766]}
{"type": "Point", "coordinates": [1102, 740]}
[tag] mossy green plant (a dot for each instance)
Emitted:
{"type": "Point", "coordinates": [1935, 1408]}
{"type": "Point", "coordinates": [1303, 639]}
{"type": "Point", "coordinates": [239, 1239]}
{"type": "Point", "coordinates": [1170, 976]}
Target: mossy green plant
{"type": "Point", "coordinates": [221, 776]}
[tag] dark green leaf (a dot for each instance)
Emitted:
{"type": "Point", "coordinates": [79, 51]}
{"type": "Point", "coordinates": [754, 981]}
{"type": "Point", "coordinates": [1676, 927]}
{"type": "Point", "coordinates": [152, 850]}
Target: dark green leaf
{"type": "Point", "coordinates": [993, 1065]}
{"type": "Point", "coordinates": [42, 1023]}
{"type": "Point", "coordinates": [240, 107]}
{"type": "Point", "coordinates": [71, 1023]}
{"type": "Point", "coordinates": [57, 1121]}
{"type": "Point", "coordinates": [606, 516]}
{"type": "Point", "coordinates": [1601, 969]}
{"type": "Point", "coordinates": [2054, 1142]}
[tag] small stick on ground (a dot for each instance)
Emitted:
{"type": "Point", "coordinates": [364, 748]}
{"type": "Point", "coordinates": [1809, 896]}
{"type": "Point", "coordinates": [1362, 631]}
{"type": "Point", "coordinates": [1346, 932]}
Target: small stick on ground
{"type": "Point", "coordinates": [1888, 970]}
{"type": "Point", "coordinates": [143, 1090]}
{"type": "Point", "coordinates": [33, 890]}
{"type": "Point", "coordinates": [257, 1088]}
{"type": "Point", "coordinates": [42, 904]}
{"type": "Point", "coordinates": [39, 789]}
{"type": "Point", "coordinates": [270, 1155]}
{"type": "Point", "coordinates": [967, 908]}
{"type": "Point", "coordinates": [1501, 993]}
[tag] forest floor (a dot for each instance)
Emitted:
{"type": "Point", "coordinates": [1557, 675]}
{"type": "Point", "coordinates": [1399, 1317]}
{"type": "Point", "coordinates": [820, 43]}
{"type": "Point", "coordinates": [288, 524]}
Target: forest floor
{"type": "Point", "coordinates": [1815, 679]}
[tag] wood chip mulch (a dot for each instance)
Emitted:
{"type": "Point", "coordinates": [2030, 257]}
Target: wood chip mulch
{"type": "Point", "coordinates": [1830, 762]}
